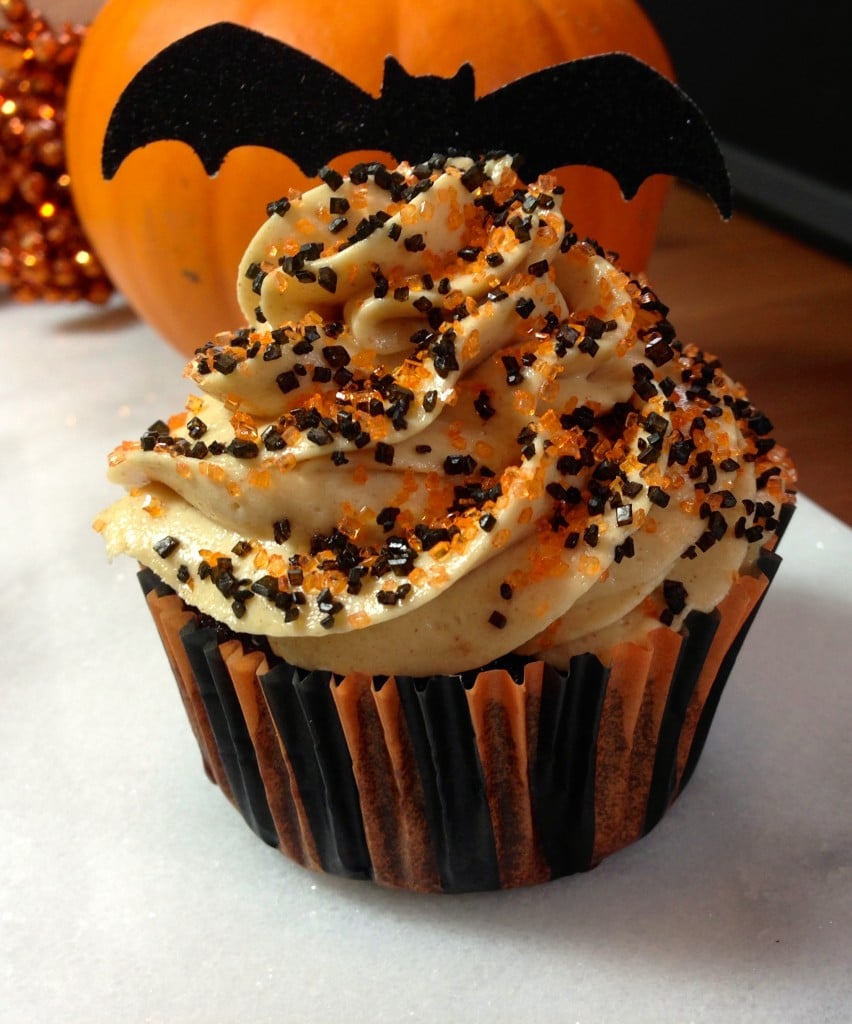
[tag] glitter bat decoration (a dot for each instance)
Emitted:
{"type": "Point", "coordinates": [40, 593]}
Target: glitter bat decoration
{"type": "Point", "coordinates": [610, 111]}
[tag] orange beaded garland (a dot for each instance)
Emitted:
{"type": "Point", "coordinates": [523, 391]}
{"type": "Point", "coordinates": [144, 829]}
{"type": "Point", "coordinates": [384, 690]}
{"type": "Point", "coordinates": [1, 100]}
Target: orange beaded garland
{"type": "Point", "coordinates": [44, 253]}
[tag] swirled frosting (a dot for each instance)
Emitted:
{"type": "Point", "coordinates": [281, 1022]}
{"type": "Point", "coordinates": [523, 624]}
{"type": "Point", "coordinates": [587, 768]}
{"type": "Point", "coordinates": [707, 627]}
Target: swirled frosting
{"type": "Point", "coordinates": [450, 430]}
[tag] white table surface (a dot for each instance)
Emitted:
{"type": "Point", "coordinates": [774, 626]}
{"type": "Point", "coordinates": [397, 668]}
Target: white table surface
{"type": "Point", "coordinates": [130, 891]}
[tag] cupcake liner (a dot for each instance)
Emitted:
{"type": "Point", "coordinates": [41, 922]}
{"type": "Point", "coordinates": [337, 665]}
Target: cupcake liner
{"type": "Point", "coordinates": [505, 777]}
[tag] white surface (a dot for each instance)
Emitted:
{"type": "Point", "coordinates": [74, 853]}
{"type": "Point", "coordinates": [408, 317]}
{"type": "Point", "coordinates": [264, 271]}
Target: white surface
{"type": "Point", "coordinates": [130, 890]}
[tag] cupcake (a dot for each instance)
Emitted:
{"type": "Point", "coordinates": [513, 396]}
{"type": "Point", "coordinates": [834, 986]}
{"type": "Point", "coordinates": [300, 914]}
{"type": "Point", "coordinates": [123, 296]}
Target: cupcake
{"type": "Point", "coordinates": [454, 549]}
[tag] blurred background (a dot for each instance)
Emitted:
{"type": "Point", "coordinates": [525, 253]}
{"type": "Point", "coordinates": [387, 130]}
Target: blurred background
{"type": "Point", "coordinates": [775, 82]}
{"type": "Point", "coordinates": [768, 292]}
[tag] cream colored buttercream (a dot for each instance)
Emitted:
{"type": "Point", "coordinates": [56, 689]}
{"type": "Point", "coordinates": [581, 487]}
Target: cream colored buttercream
{"type": "Point", "coordinates": [450, 431]}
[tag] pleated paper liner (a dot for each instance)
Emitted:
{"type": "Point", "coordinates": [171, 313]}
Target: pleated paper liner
{"type": "Point", "coordinates": [505, 777]}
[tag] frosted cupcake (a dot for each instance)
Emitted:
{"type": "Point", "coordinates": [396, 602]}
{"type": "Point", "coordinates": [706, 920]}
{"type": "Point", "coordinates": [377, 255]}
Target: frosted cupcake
{"type": "Point", "coordinates": [454, 550]}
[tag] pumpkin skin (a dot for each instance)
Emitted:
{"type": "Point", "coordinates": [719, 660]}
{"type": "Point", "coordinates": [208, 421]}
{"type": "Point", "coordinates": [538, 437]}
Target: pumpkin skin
{"type": "Point", "coordinates": [171, 238]}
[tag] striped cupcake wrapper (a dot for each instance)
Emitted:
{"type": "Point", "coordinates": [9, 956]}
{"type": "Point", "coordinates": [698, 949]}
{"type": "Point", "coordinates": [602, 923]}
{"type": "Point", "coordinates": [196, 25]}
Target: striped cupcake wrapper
{"type": "Point", "coordinates": [505, 777]}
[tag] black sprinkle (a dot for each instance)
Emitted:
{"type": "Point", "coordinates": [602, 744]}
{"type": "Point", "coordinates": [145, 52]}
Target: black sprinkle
{"type": "Point", "coordinates": [657, 496]}
{"type": "Point", "coordinates": [327, 278]}
{"type": "Point", "coordinates": [165, 546]}
{"type": "Point", "coordinates": [384, 453]}
{"type": "Point", "coordinates": [335, 356]}
{"type": "Point", "coordinates": [674, 594]}
{"type": "Point", "coordinates": [281, 530]}
{"type": "Point", "coordinates": [483, 407]}
{"type": "Point", "coordinates": [459, 465]}
{"type": "Point", "coordinates": [330, 177]}
{"type": "Point", "coordinates": [225, 362]}
{"type": "Point", "coordinates": [287, 381]}
{"type": "Point", "coordinates": [243, 448]}
{"type": "Point", "coordinates": [279, 206]}
{"type": "Point", "coordinates": [624, 515]}
{"type": "Point", "coordinates": [514, 375]}
{"type": "Point", "coordinates": [473, 177]}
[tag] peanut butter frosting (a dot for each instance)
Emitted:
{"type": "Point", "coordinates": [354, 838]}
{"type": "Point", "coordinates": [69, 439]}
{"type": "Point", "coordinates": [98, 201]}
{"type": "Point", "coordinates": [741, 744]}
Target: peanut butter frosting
{"type": "Point", "coordinates": [450, 430]}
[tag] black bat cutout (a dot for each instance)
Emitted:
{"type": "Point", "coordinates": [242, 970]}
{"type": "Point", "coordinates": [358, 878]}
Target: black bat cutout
{"type": "Point", "coordinates": [226, 86]}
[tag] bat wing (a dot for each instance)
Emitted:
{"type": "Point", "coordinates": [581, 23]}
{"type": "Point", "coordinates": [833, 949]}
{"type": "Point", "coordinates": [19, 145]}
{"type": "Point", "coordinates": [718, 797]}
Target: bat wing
{"type": "Point", "coordinates": [611, 111]}
{"type": "Point", "coordinates": [225, 86]}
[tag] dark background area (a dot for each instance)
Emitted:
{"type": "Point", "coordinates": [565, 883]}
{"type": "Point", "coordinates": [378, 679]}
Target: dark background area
{"type": "Point", "coordinates": [775, 81]}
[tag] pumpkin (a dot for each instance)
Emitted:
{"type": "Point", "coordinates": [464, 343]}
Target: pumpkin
{"type": "Point", "coordinates": [171, 238]}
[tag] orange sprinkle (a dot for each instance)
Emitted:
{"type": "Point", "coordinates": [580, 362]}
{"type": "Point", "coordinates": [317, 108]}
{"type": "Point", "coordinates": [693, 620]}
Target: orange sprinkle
{"type": "Point", "coordinates": [214, 473]}
{"type": "Point", "coordinates": [211, 557]}
{"type": "Point", "coordinates": [455, 433]}
{"type": "Point", "coordinates": [501, 539]}
{"type": "Point", "coordinates": [550, 424]}
{"type": "Point", "coordinates": [243, 425]}
{"type": "Point", "coordinates": [440, 550]}
{"type": "Point", "coordinates": [470, 349]}
{"type": "Point", "coordinates": [360, 475]}
{"type": "Point", "coordinates": [277, 565]}
{"type": "Point", "coordinates": [439, 577]}
{"type": "Point", "coordinates": [524, 402]}
{"type": "Point", "coordinates": [260, 478]}
{"type": "Point", "coordinates": [233, 488]}
{"type": "Point", "coordinates": [358, 620]}
{"type": "Point", "coordinates": [182, 469]}
{"type": "Point", "coordinates": [364, 359]}
{"type": "Point", "coordinates": [624, 345]}
{"type": "Point", "coordinates": [409, 487]}
{"type": "Point", "coordinates": [589, 565]}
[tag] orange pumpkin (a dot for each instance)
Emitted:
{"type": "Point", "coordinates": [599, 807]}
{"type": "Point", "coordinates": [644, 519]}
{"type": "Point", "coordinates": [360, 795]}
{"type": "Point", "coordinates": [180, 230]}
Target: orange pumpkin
{"type": "Point", "coordinates": [171, 238]}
